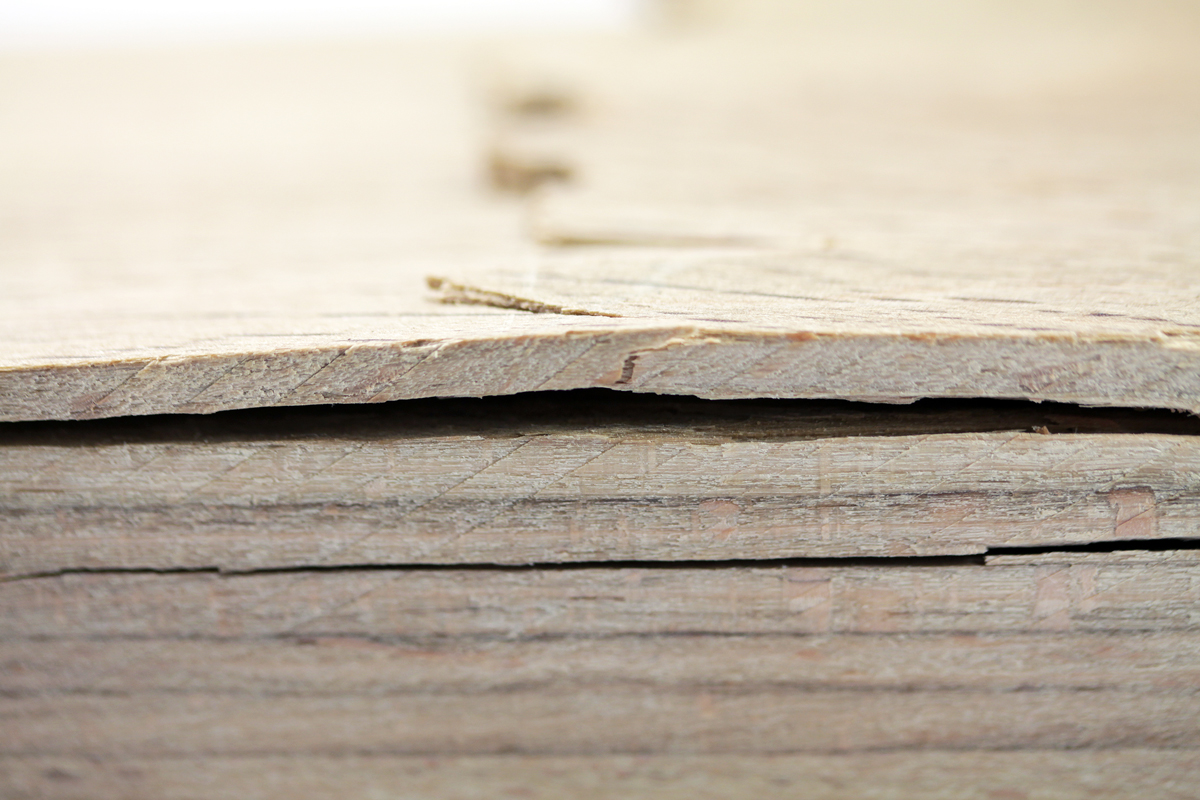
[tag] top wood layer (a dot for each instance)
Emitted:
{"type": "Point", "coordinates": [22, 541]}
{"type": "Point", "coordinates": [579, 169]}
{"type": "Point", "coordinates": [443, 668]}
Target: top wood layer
{"type": "Point", "coordinates": [860, 211]}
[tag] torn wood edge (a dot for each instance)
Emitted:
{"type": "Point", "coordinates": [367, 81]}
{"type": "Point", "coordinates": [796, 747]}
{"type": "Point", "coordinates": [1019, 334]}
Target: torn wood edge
{"type": "Point", "coordinates": [712, 361]}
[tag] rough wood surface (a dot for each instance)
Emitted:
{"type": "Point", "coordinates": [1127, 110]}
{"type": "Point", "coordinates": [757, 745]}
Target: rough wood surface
{"type": "Point", "coordinates": [1064, 775]}
{"type": "Point", "coordinates": [892, 182]}
{"type": "Point", "coordinates": [1157, 592]}
{"type": "Point", "coordinates": [865, 210]}
{"type": "Point", "coordinates": [468, 680]}
{"type": "Point", "coordinates": [586, 477]}
{"type": "Point", "coordinates": [821, 200]}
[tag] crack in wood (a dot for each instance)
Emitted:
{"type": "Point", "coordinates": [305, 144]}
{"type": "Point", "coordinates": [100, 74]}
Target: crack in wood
{"type": "Point", "coordinates": [461, 294]}
{"type": "Point", "coordinates": [899, 562]}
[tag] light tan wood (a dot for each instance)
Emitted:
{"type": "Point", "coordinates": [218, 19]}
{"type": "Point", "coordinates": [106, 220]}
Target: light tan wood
{"type": "Point", "coordinates": [352, 665]}
{"type": "Point", "coordinates": [861, 210]}
{"type": "Point", "coordinates": [857, 200]}
{"type": "Point", "coordinates": [1157, 595]}
{"type": "Point", "coordinates": [1086, 775]}
{"type": "Point", "coordinates": [941, 16]}
{"type": "Point", "coordinates": [558, 478]}
{"type": "Point", "coordinates": [126, 683]}
{"type": "Point", "coordinates": [890, 180]}
{"type": "Point", "coordinates": [901, 136]}
{"type": "Point", "coordinates": [600, 720]}
{"type": "Point", "coordinates": [215, 222]}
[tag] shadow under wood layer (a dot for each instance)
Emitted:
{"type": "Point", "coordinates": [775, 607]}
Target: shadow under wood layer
{"type": "Point", "coordinates": [604, 411]}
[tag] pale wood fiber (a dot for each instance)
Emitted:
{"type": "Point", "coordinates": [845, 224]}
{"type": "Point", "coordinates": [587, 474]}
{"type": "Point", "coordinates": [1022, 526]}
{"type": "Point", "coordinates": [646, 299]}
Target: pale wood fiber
{"type": "Point", "coordinates": [851, 209]}
{"type": "Point", "coordinates": [864, 200]}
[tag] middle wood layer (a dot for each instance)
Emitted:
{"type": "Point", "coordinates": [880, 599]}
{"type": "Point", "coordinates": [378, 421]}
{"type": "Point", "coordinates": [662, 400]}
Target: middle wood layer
{"type": "Point", "coordinates": [588, 476]}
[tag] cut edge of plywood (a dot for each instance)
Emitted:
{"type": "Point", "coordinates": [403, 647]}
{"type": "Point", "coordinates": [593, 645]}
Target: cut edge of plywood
{"type": "Point", "coordinates": [710, 361]}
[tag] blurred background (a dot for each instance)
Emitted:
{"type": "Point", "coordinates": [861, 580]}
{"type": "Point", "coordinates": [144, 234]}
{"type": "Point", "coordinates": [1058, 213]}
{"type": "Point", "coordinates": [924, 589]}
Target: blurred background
{"type": "Point", "coordinates": [58, 23]}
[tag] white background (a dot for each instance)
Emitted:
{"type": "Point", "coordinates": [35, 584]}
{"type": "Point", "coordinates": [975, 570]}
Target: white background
{"type": "Point", "coordinates": [37, 24]}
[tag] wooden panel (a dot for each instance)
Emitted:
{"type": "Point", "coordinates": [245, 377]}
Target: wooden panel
{"type": "Point", "coordinates": [853, 209]}
{"type": "Point", "coordinates": [850, 201]}
{"type": "Point", "coordinates": [560, 478]}
{"type": "Point", "coordinates": [1158, 593]}
{"type": "Point", "coordinates": [599, 720]}
{"type": "Point", "coordinates": [886, 178]}
{"type": "Point", "coordinates": [459, 679]}
{"type": "Point", "coordinates": [354, 665]}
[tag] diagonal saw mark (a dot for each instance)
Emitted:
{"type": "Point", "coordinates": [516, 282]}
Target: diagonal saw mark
{"type": "Point", "coordinates": [508, 505]}
{"type": "Point", "coordinates": [989, 454]}
{"type": "Point", "coordinates": [394, 379]}
{"type": "Point", "coordinates": [339, 605]}
{"type": "Point", "coordinates": [192, 398]}
{"type": "Point", "coordinates": [92, 406]}
{"type": "Point", "coordinates": [301, 384]}
{"type": "Point", "coordinates": [769, 354]}
{"type": "Point", "coordinates": [920, 442]}
{"type": "Point", "coordinates": [296, 488]}
{"type": "Point", "coordinates": [255, 450]}
{"type": "Point", "coordinates": [1024, 486]}
{"type": "Point", "coordinates": [355, 543]}
{"type": "Point", "coordinates": [567, 365]}
{"type": "Point", "coordinates": [1113, 484]}
{"type": "Point", "coordinates": [434, 499]}
{"type": "Point", "coordinates": [573, 470]}
{"type": "Point", "coordinates": [956, 522]}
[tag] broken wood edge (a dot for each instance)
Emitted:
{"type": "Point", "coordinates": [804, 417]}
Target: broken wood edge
{"type": "Point", "coordinates": [728, 362]}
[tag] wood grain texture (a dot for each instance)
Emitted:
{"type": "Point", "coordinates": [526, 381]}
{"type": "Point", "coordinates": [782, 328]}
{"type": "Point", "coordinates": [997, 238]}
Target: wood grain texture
{"type": "Point", "coordinates": [856, 209]}
{"type": "Point", "coordinates": [1155, 594]}
{"type": "Point", "coordinates": [1065, 775]}
{"type": "Point", "coordinates": [839, 679]}
{"type": "Point", "coordinates": [584, 477]}
{"type": "Point", "coordinates": [828, 200]}
{"type": "Point", "coordinates": [890, 180]}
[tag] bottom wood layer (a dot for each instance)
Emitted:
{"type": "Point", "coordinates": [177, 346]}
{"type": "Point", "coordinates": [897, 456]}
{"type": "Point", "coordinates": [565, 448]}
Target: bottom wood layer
{"type": "Point", "coordinates": [1095, 775]}
{"type": "Point", "coordinates": [1056, 675]}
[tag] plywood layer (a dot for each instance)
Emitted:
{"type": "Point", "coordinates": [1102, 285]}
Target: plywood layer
{"type": "Point", "coordinates": [873, 206]}
{"type": "Point", "coordinates": [720, 579]}
{"type": "Point", "coordinates": [1074, 775]}
{"type": "Point", "coordinates": [568, 477]}
{"type": "Point", "coordinates": [1153, 594]}
{"type": "Point", "coordinates": [460, 680]}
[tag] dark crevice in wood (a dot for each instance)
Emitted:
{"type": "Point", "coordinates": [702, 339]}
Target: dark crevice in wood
{"type": "Point", "coordinates": [871, 561]}
{"type": "Point", "coordinates": [459, 294]}
{"type": "Point", "coordinates": [1135, 545]}
{"type": "Point", "coordinates": [1151, 545]}
{"type": "Point", "coordinates": [601, 410]}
